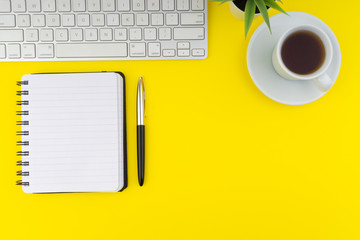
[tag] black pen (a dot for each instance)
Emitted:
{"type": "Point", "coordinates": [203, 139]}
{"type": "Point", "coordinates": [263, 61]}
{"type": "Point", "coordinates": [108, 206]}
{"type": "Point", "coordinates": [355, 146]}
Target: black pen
{"type": "Point", "coordinates": [140, 103]}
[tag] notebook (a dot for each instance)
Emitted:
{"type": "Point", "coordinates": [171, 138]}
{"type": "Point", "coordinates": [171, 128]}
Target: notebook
{"type": "Point", "coordinates": [73, 133]}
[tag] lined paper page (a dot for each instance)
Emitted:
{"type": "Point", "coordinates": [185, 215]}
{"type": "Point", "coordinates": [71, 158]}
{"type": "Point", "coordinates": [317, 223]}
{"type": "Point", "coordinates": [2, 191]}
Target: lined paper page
{"type": "Point", "coordinates": [75, 132]}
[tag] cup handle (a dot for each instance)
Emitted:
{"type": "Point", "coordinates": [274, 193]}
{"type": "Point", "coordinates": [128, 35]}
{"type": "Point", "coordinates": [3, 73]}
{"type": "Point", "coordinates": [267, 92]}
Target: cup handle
{"type": "Point", "coordinates": [323, 83]}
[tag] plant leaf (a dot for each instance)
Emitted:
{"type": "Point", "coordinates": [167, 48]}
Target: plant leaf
{"type": "Point", "coordinates": [221, 1]}
{"type": "Point", "coordinates": [263, 10]}
{"type": "Point", "coordinates": [249, 15]}
{"type": "Point", "coordinates": [274, 5]}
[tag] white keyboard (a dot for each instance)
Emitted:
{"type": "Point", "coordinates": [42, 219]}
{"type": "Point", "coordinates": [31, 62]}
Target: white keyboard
{"type": "Point", "coordinates": [71, 30]}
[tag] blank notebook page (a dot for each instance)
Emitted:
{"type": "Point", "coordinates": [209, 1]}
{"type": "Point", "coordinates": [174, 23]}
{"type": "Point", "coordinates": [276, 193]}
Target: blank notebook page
{"type": "Point", "coordinates": [75, 132]}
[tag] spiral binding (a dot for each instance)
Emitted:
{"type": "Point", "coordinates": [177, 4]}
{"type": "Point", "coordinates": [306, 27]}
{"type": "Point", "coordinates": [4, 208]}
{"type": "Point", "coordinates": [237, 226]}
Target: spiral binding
{"type": "Point", "coordinates": [21, 183]}
{"type": "Point", "coordinates": [23, 133]}
{"type": "Point", "coordinates": [20, 83]}
{"type": "Point", "coordinates": [21, 173]}
{"type": "Point", "coordinates": [24, 123]}
{"type": "Point", "coordinates": [22, 143]}
{"type": "Point", "coordinates": [22, 93]}
{"type": "Point", "coordinates": [22, 163]}
{"type": "Point", "coordinates": [22, 153]}
{"type": "Point", "coordinates": [22, 113]}
{"type": "Point", "coordinates": [22, 103]}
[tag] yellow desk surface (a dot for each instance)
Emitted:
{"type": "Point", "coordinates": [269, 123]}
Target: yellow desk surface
{"type": "Point", "coordinates": [223, 161]}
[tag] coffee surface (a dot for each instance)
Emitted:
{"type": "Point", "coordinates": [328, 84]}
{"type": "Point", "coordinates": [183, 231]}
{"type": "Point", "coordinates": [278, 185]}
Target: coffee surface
{"type": "Point", "coordinates": [303, 52]}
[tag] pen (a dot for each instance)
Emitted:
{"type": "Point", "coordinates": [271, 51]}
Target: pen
{"type": "Point", "coordinates": [140, 104]}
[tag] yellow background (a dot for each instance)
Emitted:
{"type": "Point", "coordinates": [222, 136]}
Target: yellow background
{"type": "Point", "coordinates": [223, 161]}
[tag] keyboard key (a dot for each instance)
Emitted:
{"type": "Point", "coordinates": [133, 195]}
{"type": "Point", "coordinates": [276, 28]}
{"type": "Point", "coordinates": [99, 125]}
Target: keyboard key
{"type": "Point", "coordinates": [183, 45]}
{"type": "Point", "coordinates": [14, 35]}
{"type": "Point", "coordinates": [120, 34]}
{"type": "Point", "coordinates": [46, 35]}
{"type": "Point", "coordinates": [2, 51]}
{"type": "Point", "coordinates": [91, 34]}
{"type": "Point", "coordinates": [61, 35]}
{"type": "Point", "coordinates": [137, 49]}
{"type": "Point", "coordinates": [192, 19]}
{"type": "Point", "coordinates": [13, 50]}
{"type": "Point", "coordinates": [153, 5]}
{"type": "Point", "coordinates": [112, 19]}
{"type": "Point", "coordinates": [106, 34]}
{"type": "Point", "coordinates": [94, 5]}
{"type": "Point", "coordinates": [198, 52]}
{"type": "Point", "coordinates": [76, 34]}
{"type": "Point", "coordinates": [45, 50]}
{"type": "Point", "coordinates": [98, 20]}
{"type": "Point", "coordinates": [157, 19]}
{"type": "Point", "coordinates": [123, 5]}
{"type": "Point", "coordinates": [23, 20]}
{"type": "Point", "coordinates": [5, 6]}
{"type": "Point", "coordinates": [31, 35]}
{"type": "Point", "coordinates": [53, 20]}
{"type": "Point", "coordinates": [135, 34]}
{"type": "Point", "coordinates": [138, 5]}
{"type": "Point", "coordinates": [18, 6]}
{"type": "Point", "coordinates": [38, 20]}
{"type": "Point", "coordinates": [172, 19]}
{"type": "Point", "coordinates": [28, 50]}
{"type": "Point", "coordinates": [48, 5]}
{"type": "Point", "coordinates": [79, 5]}
{"type": "Point", "coordinates": [183, 53]}
{"type": "Point", "coordinates": [189, 33]}
{"type": "Point", "coordinates": [91, 50]}
{"type": "Point", "coordinates": [33, 5]}
{"type": "Point", "coordinates": [7, 20]}
{"type": "Point", "coordinates": [68, 20]}
{"type": "Point", "coordinates": [183, 5]}
{"type": "Point", "coordinates": [83, 20]}
{"type": "Point", "coordinates": [197, 5]}
{"type": "Point", "coordinates": [127, 19]}
{"type": "Point", "coordinates": [154, 49]}
{"type": "Point", "coordinates": [168, 5]}
{"type": "Point", "coordinates": [150, 34]}
{"type": "Point", "coordinates": [142, 19]}
{"type": "Point", "coordinates": [63, 5]}
{"type": "Point", "coordinates": [169, 52]}
{"type": "Point", "coordinates": [164, 33]}
{"type": "Point", "coordinates": [108, 5]}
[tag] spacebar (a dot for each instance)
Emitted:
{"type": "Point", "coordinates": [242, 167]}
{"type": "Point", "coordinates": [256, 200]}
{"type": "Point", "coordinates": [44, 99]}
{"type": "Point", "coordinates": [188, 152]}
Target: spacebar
{"type": "Point", "coordinates": [91, 50]}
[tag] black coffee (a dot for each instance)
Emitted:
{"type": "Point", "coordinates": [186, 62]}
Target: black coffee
{"type": "Point", "coordinates": [303, 52]}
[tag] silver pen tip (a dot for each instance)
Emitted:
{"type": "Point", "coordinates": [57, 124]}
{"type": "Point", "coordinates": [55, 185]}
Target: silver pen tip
{"type": "Point", "coordinates": [141, 91]}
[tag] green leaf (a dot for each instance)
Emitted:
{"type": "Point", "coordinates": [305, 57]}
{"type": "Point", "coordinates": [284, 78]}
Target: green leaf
{"type": "Point", "coordinates": [221, 1]}
{"type": "Point", "coordinates": [274, 5]}
{"type": "Point", "coordinates": [263, 10]}
{"type": "Point", "coordinates": [250, 8]}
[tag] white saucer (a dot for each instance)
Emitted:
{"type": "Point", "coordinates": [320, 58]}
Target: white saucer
{"type": "Point", "coordinates": [260, 65]}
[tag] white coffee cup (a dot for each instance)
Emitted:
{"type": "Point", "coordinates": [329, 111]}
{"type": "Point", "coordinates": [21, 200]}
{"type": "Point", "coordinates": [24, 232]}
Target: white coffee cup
{"type": "Point", "coordinates": [319, 77]}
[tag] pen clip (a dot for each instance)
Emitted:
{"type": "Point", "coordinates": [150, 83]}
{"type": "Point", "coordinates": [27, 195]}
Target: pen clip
{"type": "Point", "coordinates": [143, 90]}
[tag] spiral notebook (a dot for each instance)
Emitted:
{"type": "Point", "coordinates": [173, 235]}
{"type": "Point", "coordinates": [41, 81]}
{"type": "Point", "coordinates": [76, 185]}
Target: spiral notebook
{"type": "Point", "coordinates": [73, 136]}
